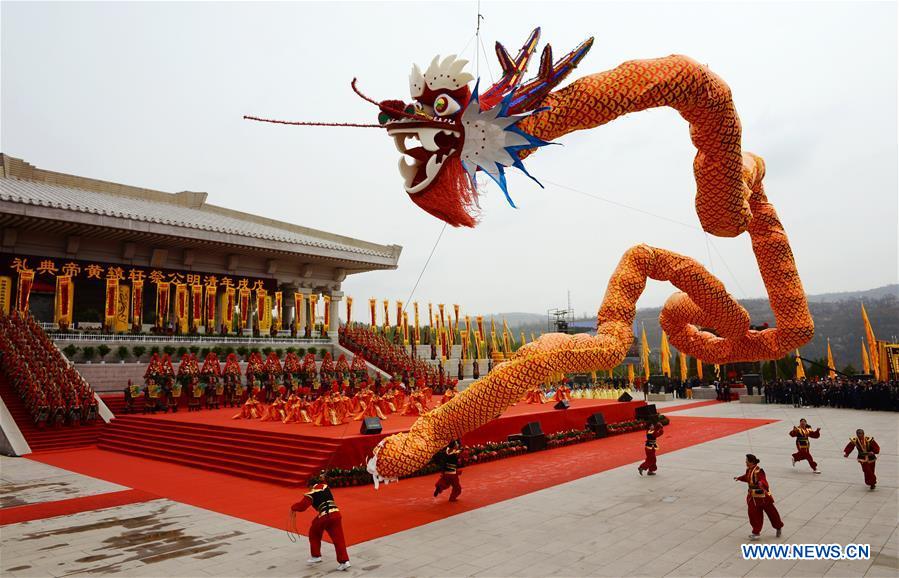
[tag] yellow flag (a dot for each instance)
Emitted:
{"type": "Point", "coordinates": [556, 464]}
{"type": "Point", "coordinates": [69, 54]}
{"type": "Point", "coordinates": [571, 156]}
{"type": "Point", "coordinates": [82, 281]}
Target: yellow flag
{"type": "Point", "coordinates": [630, 373]}
{"type": "Point", "coordinates": [682, 359]}
{"type": "Point", "coordinates": [830, 371]}
{"type": "Point", "coordinates": [872, 343]}
{"type": "Point", "coordinates": [644, 353]}
{"type": "Point", "coordinates": [866, 366]}
{"type": "Point", "coordinates": [699, 369]}
{"type": "Point", "coordinates": [666, 356]}
{"type": "Point", "coordinates": [800, 369]}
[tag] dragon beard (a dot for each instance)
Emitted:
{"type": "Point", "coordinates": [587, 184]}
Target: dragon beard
{"type": "Point", "coordinates": [452, 197]}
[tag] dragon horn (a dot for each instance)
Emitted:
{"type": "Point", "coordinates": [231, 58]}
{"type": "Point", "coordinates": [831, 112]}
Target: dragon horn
{"type": "Point", "coordinates": [529, 95]}
{"type": "Point", "coordinates": [513, 69]}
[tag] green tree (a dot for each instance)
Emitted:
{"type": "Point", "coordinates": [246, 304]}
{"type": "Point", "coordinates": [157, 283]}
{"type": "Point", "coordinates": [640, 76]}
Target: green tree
{"type": "Point", "coordinates": [103, 350]}
{"type": "Point", "coordinates": [122, 352]}
{"type": "Point", "coordinates": [154, 350]}
{"type": "Point", "coordinates": [168, 349]}
{"type": "Point", "coordinates": [70, 351]}
{"type": "Point", "coordinates": [138, 351]}
{"type": "Point", "coordinates": [88, 353]}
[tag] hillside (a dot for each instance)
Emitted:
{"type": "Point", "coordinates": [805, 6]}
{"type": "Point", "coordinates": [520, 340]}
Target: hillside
{"type": "Point", "coordinates": [837, 316]}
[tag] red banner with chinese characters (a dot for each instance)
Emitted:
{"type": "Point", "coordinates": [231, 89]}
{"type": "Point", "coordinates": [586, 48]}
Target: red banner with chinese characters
{"type": "Point", "coordinates": [349, 311]}
{"type": "Point", "coordinates": [373, 305]}
{"type": "Point", "coordinates": [278, 310]}
{"type": "Point", "coordinates": [228, 305]}
{"type": "Point", "coordinates": [405, 327]}
{"type": "Point", "coordinates": [399, 314]}
{"type": "Point", "coordinates": [182, 305]}
{"type": "Point", "coordinates": [210, 308]}
{"type": "Point", "coordinates": [326, 324]}
{"type": "Point", "coordinates": [244, 307]}
{"type": "Point", "coordinates": [196, 302]}
{"type": "Point", "coordinates": [386, 315]}
{"type": "Point", "coordinates": [456, 314]}
{"type": "Point", "coordinates": [137, 304]}
{"type": "Point", "coordinates": [313, 305]}
{"type": "Point", "coordinates": [112, 301]}
{"type": "Point", "coordinates": [163, 290]}
{"type": "Point", "coordinates": [261, 313]}
{"type": "Point", "coordinates": [23, 291]}
{"type": "Point", "coordinates": [480, 321]}
{"type": "Point", "coordinates": [299, 305]}
{"type": "Point", "coordinates": [64, 300]}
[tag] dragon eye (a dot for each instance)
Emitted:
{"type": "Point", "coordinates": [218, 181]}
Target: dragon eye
{"type": "Point", "coordinates": [444, 105]}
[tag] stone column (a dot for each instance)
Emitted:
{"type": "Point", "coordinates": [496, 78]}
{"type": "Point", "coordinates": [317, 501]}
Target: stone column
{"type": "Point", "coordinates": [336, 298]}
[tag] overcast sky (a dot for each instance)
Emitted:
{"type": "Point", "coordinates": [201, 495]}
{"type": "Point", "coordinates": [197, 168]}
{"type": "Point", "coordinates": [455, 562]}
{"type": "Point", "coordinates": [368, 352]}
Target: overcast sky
{"type": "Point", "coordinates": [152, 95]}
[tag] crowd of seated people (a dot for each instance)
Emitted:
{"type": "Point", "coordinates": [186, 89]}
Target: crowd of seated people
{"type": "Point", "coordinates": [53, 392]}
{"type": "Point", "coordinates": [291, 390]}
{"type": "Point", "coordinates": [837, 392]}
{"type": "Point", "coordinates": [393, 359]}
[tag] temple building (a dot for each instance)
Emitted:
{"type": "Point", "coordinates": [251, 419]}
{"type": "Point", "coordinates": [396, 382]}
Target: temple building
{"type": "Point", "coordinates": [87, 254]}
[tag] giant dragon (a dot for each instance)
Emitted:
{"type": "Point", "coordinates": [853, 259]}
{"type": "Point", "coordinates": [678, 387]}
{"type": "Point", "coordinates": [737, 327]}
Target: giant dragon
{"type": "Point", "coordinates": [457, 131]}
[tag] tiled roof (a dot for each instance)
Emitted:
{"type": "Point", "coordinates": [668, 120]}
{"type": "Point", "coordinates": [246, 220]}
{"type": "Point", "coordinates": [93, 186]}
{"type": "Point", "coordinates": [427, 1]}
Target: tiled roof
{"type": "Point", "coordinates": [152, 211]}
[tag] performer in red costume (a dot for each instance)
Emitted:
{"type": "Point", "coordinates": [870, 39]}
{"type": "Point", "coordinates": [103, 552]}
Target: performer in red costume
{"type": "Point", "coordinates": [802, 433]}
{"type": "Point", "coordinates": [654, 432]}
{"type": "Point", "coordinates": [759, 499]}
{"type": "Point", "coordinates": [535, 395]}
{"type": "Point", "coordinates": [449, 475]}
{"type": "Point", "coordinates": [327, 519]}
{"type": "Point", "coordinates": [563, 393]}
{"type": "Point", "coordinates": [867, 454]}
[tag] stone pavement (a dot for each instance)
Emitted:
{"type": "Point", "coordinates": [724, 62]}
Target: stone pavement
{"type": "Point", "coordinates": [688, 521]}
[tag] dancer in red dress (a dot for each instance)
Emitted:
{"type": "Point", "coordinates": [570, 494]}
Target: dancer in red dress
{"type": "Point", "coordinates": [328, 519]}
{"type": "Point", "coordinates": [759, 499]}
{"type": "Point", "coordinates": [449, 475]}
{"type": "Point", "coordinates": [654, 432]}
{"type": "Point", "coordinates": [802, 433]}
{"type": "Point", "coordinates": [867, 455]}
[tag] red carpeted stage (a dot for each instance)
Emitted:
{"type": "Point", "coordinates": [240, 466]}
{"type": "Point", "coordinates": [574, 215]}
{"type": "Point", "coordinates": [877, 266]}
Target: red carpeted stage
{"type": "Point", "coordinates": [369, 514]}
{"type": "Point", "coordinates": [290, 453]}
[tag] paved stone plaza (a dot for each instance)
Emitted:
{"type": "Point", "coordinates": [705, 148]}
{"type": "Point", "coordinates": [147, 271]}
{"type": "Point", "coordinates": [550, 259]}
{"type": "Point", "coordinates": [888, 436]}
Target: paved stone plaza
{"type": "Point", "coordinates": [688, 521]}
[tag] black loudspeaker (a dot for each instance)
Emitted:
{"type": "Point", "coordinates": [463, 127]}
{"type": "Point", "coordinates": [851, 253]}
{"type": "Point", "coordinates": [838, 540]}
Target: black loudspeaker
{"type": "Point", "coordinates": [645, 412]}
{"type": "Point", "coordinates": [535, 443]}
{"type": "Point", "coordinates": [658, 380]}
{"type": "Point", "coordinates": [532, 429]}
{"type": "Point", "coordinates": [563, 404]}
{"type": "Point", "coordinates": [533, 437]}
{"type": "Point", "coordinates": [752, 379]}
{"type": "Point", "coordinates": [371, 425]}
{"type": "Point", "coordinates": [625, 397]}
{"type": "Point", "coordinates": [597, 424]}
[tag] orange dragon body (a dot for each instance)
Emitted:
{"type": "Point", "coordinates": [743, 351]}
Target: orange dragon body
{"type": "Point", "coordinates": [461, 131]}
{"type": "Point", "coordinates": [730, 200]}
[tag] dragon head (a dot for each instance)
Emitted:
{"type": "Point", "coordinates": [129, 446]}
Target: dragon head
{"type": "Point", "coordinates": [449, 131]}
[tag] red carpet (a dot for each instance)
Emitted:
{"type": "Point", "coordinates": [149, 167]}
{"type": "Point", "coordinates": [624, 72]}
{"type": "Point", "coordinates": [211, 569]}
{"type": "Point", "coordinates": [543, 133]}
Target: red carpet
{"type": "Point", "coordinates": [44, 510]}
{"type": "Point", "coordinates": [667, 410]}
{"type": "Point", "coordinates": [253, 449]}
{"type": "Point", "coordinates": [369, 514]}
